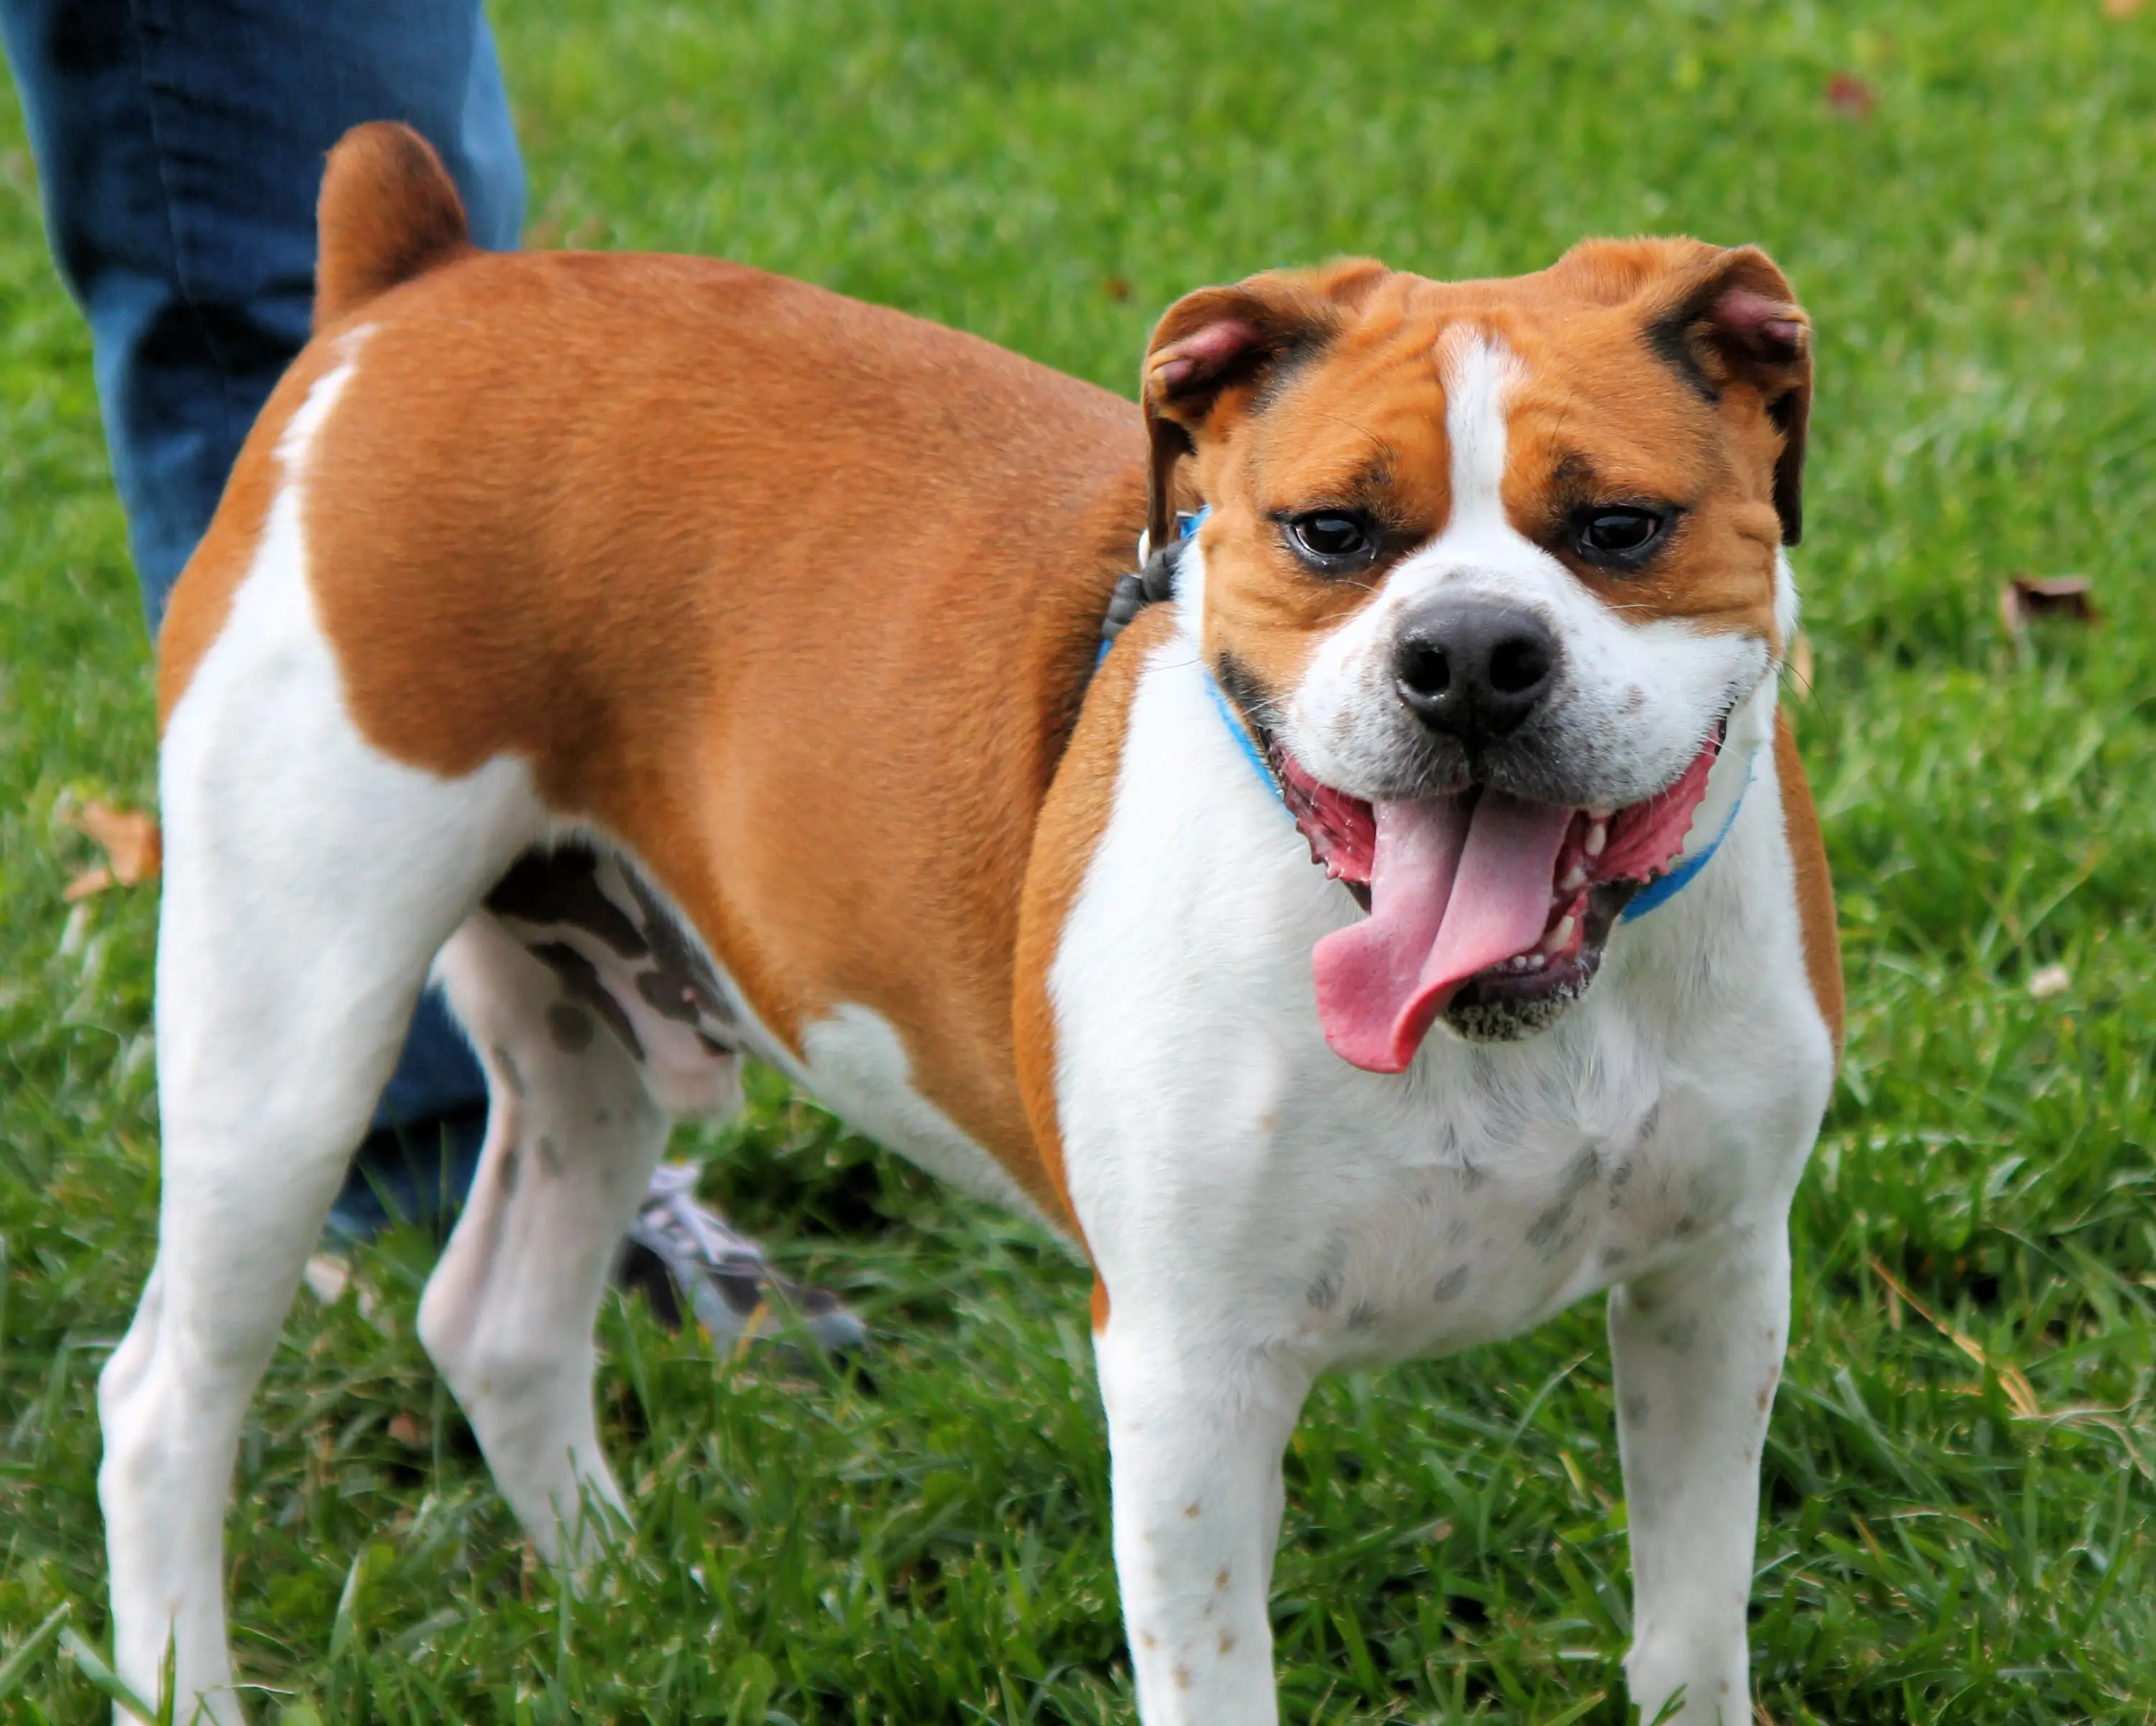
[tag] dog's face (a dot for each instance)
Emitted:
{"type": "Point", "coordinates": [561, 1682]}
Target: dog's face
{"type": "Point", "coordinates": [1488, 568]}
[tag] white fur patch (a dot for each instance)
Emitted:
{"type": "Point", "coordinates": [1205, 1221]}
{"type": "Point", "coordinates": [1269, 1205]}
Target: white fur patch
{"type": "Point", "coordinates": [1480, 375]}
{"type": "Point", "coordinates": [857, 1067]}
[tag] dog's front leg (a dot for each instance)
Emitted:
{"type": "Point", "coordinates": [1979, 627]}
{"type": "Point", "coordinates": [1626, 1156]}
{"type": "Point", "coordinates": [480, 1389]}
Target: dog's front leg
{"type": "Point", "coordinates": [1698, 1351]}
{"type": "Point", "coordinates": [1196, 1427]}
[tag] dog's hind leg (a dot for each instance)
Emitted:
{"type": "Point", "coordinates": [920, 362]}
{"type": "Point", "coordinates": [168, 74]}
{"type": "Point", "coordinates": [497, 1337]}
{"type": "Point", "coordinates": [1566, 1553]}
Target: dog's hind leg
{"type": "Point", "coordinates": [309, 881]}
{"type": "Point", "coordinates": [572, 1136]}
{"type": "Point", "coordinates": [296, 933]}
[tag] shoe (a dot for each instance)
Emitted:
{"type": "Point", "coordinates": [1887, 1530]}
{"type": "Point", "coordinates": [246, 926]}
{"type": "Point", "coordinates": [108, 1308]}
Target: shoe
{"type": "Point", "coordinates": [677, 1247]}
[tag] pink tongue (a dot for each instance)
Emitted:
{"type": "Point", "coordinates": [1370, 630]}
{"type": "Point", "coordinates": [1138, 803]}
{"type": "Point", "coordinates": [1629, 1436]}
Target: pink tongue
{"type": "Point", "coordinates": [1457, 884]}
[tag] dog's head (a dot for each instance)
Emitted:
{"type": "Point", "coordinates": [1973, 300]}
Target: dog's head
{"type": "Point", "coordinates": [1489, 566]}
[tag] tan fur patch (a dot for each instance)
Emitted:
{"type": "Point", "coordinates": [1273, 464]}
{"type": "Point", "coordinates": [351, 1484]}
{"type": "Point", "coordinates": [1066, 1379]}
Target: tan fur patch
{"type": "Point", "coordinates": [1814, 888]}
{"type": "Point", "coordinates": [551, 519]}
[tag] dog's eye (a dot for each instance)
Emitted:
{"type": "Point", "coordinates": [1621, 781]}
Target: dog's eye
{"type": "Point", "coordinates": [1332, 541]}
{"type": "Point", "coordinates": [1618, 534]}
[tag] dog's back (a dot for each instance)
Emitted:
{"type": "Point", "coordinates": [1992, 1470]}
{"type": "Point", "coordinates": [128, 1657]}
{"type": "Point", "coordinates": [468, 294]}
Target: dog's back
{"type": "Point", "coordinates": [495, 578]}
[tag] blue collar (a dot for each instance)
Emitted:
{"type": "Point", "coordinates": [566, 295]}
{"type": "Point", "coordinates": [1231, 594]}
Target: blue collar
{"type": "Point", "coordinates": [1153, 581]}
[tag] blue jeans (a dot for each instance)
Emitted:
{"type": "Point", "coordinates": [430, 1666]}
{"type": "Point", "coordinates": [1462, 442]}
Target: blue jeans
{"type": "Point", "coordinates": [179, 147]}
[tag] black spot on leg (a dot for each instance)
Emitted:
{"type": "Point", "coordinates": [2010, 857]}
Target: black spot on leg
{"type": "Point", "coordinates": [562, 887]}
{"type": "Point", "coordinates": [571, 1028]}
{"type": "Point", "coordinates": [580, 977]}
{"type": "Point", "coordinates": [509, 1171]}
{"type": "Point", "coordinates": [1362, 1316]}
{"type": "Point", "coordinates": [1449, 1285]}
{"type": "Point", "coordinates": [510, 1076]}
{"type": "Point", "coordinates": [550, 1157]}
{"type": "Point", "coordinates": [668, 996]}
{"type": "Point", "coordinates": [1679, 1336]}
{"type": "Point", "coordinates": [1637, 1409]}
{"type": "Point", "coordinates": [682, 984]}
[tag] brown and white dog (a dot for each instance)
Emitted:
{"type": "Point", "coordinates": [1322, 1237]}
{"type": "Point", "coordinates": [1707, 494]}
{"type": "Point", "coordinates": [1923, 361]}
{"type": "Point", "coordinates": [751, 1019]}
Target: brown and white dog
{"type": "Point", "coordinates": [689, 662]}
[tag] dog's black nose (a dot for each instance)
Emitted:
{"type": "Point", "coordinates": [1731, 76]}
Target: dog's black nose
{"type": "Point", "coordinates": [1473, 670]}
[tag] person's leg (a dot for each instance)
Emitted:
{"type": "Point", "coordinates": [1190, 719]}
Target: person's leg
{"type": "Point", "coordinates": [180, 147]}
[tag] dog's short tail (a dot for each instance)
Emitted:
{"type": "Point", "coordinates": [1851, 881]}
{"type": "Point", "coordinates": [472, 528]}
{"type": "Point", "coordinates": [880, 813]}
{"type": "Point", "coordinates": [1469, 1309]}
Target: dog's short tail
{"type": "Point", "coordinates": [389, 212]}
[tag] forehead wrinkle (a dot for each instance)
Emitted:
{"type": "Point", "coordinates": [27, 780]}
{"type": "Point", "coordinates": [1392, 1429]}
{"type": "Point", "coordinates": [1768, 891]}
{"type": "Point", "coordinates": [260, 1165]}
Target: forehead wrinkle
{"type": "Point", "coordinates": [1366, 461]}
{"type": "Point", "coordinates": [1626, 444]}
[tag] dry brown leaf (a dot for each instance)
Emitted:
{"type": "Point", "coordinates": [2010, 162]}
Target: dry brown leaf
{"type": "Point", "coordinates": [132, 843]}
{"type": "Point", "coordinates": [2123, 8]}
{"type": "Point", "coordinates": [1117, 288]}
{"type": "Point", "coordinates": [1851, 96]}
{"type": "Point", "coordinates": [1800, 661]}
{"type": "Point", "coordinates": [2027, 599]}
{"type": "Point", "coordinates": [92, 880]}
{"type": "Point", "coordinates": [2020, 1394]}
{"type": "Point", "coordinates": [409, 1430]}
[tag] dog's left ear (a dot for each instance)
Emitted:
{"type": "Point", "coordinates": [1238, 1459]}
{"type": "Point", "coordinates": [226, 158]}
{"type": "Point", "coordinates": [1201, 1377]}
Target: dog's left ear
{"type": "Point", "coordinates": [1212, 350]}
{"type": "Point", "coordinates": [1733, 320]}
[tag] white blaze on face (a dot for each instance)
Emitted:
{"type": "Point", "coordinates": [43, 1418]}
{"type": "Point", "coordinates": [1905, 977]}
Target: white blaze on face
{"type": "Point", "coordinates": [1632, 703]}
{"type": "Point", "coordinates": [1478, 376]}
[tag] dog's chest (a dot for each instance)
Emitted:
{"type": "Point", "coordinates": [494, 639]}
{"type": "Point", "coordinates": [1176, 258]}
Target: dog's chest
{"type": "Point", "coordinates": [1482, 1213]}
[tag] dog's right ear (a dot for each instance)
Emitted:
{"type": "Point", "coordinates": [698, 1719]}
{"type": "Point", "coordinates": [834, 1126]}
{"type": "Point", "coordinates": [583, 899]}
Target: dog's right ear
{"type": "Point", "coordinates": [1212, 348]}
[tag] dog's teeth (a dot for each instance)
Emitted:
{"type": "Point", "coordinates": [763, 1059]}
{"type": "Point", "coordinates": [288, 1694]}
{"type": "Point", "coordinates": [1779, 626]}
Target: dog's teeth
{"type": "Point", "coordinates": [1575, 878]}
{"type": "Point", "coordinates": [1597, 836]}
{"type": "Point", "coordinates": [1560, 937]}
{"type": "Point", "coordinates": [1534, 961]}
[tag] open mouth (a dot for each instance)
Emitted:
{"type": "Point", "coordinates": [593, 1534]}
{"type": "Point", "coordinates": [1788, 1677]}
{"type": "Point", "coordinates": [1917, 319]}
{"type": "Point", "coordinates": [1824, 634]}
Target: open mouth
{"type": "Point", "coordinates": [1490, 908]}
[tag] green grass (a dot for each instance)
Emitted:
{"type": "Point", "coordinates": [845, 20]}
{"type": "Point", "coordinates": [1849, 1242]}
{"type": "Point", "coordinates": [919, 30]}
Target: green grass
{"type": "Point", "coordinates": [1979, 256]}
